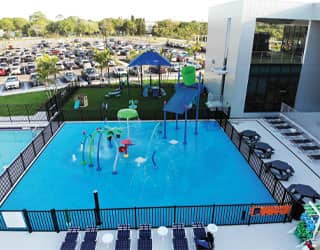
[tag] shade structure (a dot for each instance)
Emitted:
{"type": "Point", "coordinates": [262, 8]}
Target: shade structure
{"type": "Point", "coordinates": [127, 114]}
{"type": "Point", "coordinates": [150, 58]}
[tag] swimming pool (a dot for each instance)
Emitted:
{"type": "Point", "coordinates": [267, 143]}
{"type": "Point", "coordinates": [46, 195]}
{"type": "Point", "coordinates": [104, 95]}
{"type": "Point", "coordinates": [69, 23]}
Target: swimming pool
{"type": "Point", "coordinates": [12, 142]}
{"type": "Point", "coordinates": [157, 172]}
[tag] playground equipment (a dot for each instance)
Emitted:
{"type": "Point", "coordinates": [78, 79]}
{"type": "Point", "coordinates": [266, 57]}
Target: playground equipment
{"type": "Point", "coordinates": [309, 226]}
{"type": "Point", "coordinates": [80, 101]}
{"type": "Point", "coordinates": [133, 104]}
{"type": "Point", "coordinates": [185, 94]}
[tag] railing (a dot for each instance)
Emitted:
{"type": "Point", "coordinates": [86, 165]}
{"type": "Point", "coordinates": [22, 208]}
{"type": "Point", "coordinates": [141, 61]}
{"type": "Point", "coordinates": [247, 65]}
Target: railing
{"type": "Point", "coordinates": [61, 220]}
{"type": "Point", "coordinates": [110, 218]}
{"type": "Point", "coordinates": [18, 167]}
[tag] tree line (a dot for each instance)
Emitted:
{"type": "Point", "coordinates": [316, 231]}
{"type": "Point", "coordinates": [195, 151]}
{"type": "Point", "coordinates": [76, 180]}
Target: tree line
{"type": "Point", "coordinates": [39, 25]}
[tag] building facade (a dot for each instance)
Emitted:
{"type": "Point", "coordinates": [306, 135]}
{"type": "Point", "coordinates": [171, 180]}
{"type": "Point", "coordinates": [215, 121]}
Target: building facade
{"type": "Point", "coordinates": [272, 56]}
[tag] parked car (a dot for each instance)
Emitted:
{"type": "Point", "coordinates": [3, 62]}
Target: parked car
{"type": "Point", "coordinates": [31, 68]}
{"type": "Point", "coordinates": [68, 64]}
{"type": "Point", "coordinates": [12, 82]}
{"type": "Point", "coordinates": [34, 79]}
{"type": "Point", "coordinates": [155, 69]}
{"type": "Point", "coordinates": [3, 72]}
{"type": "Point", "coordinates": [175, 67]}
{"type": "Point", "coordinates": [59, 65]}
{"type": "Point", "coordinates": [119, 71]}
{"type": "Point", "coordinates": [15, 69]}
{"type": "Point", "coordinates": [69, 76]}
{"type": "Point", "coordinates": [90, 74]}
{"type": "Point", "coordinates": [5, 66]}
{"type": "Point", "coordinates": [134, 70]}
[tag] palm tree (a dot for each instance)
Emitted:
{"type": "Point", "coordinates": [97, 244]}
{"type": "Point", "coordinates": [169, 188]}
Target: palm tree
{"type": "Point", "coordinates": [103, 58]}
{"type": "Point", "coordinates": [46, 66]}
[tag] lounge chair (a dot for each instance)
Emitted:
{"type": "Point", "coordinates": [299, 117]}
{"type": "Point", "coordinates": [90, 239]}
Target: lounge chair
{"type": "Point", "coordinates": [145, 241]}
{"type": "Point", "coordinates": [123, 241]}
{"type": "Point", "coordinates": [276, 122]}
{"type": "Point", "coordinates": [199, 231]}
{"type": "Point", "coordinates": [201, 238]}
{"type": "Point", "coordinates": [114, 93]}
{"type": "Point", "coordinates": [179, 237]}
{"type": "Point", "coordinates": [70, 241]}
{"type": "Point", "coordinates": [271, 118]}
{"type": "Point", "coordinates": [89, 241]}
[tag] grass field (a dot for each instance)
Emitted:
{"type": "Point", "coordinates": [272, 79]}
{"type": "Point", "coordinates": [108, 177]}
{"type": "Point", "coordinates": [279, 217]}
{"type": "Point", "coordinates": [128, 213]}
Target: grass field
{"type": "Point", "coordinates": [148, 107]}
{"type": "Point", "coordinates": [22, 104]}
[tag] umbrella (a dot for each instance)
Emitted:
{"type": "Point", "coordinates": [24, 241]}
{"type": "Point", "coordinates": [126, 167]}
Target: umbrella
{"type": "Point", "coordinates": [150, 58]}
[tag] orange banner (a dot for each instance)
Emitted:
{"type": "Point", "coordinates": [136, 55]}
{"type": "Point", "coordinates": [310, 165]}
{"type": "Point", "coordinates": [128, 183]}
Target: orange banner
{"type": "Point", "coordinates": [270, 210]}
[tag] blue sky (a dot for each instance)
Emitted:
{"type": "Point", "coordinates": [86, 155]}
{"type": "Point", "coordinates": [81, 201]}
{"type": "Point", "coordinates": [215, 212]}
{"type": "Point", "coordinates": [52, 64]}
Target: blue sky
{"type": "Point", "coordinates": [185, 10]}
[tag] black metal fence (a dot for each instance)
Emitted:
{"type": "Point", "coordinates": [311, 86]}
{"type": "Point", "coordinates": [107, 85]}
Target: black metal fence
{"type": "Point", "coordinates": [273, 185]}
{"type": "Point", "coordinates": [18, 167]}
{"type": "Point", "coordinates": [234, 214]}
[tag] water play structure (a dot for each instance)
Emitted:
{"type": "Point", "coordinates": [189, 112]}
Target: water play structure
{"type": "Point", "coordinates": [186, 94]}
{"type": "Point", "coordinates": [112, 134]}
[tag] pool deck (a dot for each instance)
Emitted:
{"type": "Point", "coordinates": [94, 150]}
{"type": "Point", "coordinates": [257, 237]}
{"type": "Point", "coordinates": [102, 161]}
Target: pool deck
{"type": "Point", "coordinates": [255, 237]}
{"type": "Point", "coordinates": [306, 171]}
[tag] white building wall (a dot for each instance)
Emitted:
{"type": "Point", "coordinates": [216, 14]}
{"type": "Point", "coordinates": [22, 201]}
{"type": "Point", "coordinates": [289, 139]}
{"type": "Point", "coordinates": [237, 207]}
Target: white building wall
{"type": "Point", "coordinates": [244, 14]}
{"type": "Point", "coordinates": [308, 94]}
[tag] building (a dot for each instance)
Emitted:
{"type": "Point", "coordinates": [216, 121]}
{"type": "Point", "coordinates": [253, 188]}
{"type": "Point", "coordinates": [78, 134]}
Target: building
{"type": "Point", "coordinates": [271, 51]}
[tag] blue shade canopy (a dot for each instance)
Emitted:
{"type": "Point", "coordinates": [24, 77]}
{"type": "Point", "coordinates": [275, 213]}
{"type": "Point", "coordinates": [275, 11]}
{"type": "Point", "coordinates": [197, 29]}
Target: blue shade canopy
{"type": "Point", "coordinates": [150, 58]}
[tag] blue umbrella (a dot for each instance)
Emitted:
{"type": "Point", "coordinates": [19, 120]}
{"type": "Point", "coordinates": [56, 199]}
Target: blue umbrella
{"type": "Point", "coordinates": [150, 58]}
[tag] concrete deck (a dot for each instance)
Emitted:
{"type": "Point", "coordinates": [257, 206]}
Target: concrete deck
{"type": "Point", "coordinates": [254, 237]}
{"type": "Point", "coordinates": [306, 171]}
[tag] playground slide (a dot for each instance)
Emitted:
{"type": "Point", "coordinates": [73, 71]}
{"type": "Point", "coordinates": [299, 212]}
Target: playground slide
{"type": "Point", "coordinates": [76, 105]}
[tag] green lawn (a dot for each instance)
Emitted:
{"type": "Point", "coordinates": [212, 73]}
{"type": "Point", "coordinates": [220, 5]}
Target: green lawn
{"type": "Point", "coordinates": [148, 107]}
{"type": "Point", "coordinates": [22, 104]}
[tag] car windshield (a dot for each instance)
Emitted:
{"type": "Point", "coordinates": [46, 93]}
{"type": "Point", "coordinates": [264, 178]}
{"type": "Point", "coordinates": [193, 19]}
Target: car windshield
{"type": "Point", "coordinates": [69, 74]}
{"type": "Point", "coordinates": [90, 70]}
{"type": "Point", "coordinates": [12, 79]}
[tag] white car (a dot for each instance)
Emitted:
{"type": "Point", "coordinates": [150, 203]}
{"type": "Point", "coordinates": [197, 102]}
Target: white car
{"type": "Point", "coordinates": [15, 69]}
{"type": "Point", "coordinates": [12, 82]}
{"type": "Point", "coordinates": [60, 66]}
{"type": "Point", "coordinates": [119, 71]}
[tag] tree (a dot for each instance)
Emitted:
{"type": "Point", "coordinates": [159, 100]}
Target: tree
{"type": "Point", "coordinates": [141, 26]}
{"type": "Point", "coordinates": [6, 24]}
{"type": "Point", "coordinates": [38, 23]}
{"type": "Point", "coordinates": [46, 66]}
{"type": "Point", "coordinates": [129, 27]}
{"type": "Point", "coordinates": [103, 58]}
{"type": "Point", "coordinates": [195, 47]}
{"type": "Point", "coordinates": [106, 27]}
{"type": "Point", "coordinates": [19, 22]}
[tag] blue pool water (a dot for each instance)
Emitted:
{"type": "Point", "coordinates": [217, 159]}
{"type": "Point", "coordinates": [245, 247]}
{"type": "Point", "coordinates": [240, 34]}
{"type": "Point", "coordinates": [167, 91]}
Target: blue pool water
{"type": "Point", "coordinates": [208, 170]}
{"type": "Point", "coordinates": [12, 142]}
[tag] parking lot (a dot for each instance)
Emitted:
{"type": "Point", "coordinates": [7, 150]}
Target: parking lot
{"type": "Point", "coordinates": [18, 60]}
